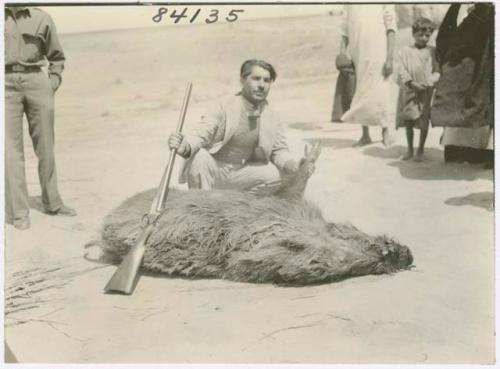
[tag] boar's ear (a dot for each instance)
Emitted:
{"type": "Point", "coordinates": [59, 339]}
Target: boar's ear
{"type": "Point", "coordinates": [315, 151]}
{"type": "Point", "coordinates": [311, 153]}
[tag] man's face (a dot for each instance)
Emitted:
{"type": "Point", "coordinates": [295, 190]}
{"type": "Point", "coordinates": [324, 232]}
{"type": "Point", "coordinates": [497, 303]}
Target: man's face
{"type": "Point", "coordinates": [255, 87]}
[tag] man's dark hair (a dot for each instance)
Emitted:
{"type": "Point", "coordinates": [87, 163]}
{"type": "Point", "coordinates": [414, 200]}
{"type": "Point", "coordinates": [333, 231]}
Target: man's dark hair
{"type": "Point", "coordinates": [246, 68]}
{"type": "Point", "coordinates": [423, 24]}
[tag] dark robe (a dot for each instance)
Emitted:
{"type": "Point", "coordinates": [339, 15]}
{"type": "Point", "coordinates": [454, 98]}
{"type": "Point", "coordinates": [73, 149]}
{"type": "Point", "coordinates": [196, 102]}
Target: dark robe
{"type": "Point", "coordinates": [344, 92]}
{"type": "Point", "coordinates": [464, 93]}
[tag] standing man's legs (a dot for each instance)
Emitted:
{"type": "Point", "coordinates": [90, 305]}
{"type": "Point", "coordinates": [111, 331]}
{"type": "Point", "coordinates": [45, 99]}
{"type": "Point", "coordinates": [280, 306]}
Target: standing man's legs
{"type": "Point", "coordinates": [16, 191]}
{"type": "Point", "coordinates": [39, 106]}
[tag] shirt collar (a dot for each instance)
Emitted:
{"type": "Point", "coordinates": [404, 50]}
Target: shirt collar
{"type": "Point", "coordinates": [251, 109]}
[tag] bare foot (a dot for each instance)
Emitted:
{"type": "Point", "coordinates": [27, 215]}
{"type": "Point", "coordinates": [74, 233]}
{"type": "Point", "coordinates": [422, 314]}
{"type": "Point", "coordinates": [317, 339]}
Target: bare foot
{"type": "Point", "coordinates": [363, 141]}
{"type": "Point", "coordinates": [387, 139]}
{"type": "Point", "coordinates": [419, 157]}
{"type": "Point", "coordinates": [408, 155]}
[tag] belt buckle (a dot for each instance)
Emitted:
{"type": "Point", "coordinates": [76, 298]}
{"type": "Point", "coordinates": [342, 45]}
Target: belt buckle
{"type": "Point", "coordinates": [18, 68]}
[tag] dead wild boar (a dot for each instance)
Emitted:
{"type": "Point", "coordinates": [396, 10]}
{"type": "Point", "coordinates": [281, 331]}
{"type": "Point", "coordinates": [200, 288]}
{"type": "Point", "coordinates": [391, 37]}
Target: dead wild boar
{"type": "Point", "coordinates": [242, 236]}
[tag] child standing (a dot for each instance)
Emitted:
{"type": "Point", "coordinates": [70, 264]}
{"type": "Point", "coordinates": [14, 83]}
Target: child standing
{"type": "Point", "coordinates": [417, 76]}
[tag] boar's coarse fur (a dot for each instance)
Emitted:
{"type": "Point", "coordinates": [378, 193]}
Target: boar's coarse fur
{"type": "Point", "coordinates": [240, 236]}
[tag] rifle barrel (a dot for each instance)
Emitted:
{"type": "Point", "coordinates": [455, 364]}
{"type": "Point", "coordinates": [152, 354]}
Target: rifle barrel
{"type": "Point", "coordinates": [126, 275]}
{"type": "Point", "coordinates": [163, 190]}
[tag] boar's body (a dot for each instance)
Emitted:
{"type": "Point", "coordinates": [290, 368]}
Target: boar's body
{"type": "Point", "coordinates": [242, 237]}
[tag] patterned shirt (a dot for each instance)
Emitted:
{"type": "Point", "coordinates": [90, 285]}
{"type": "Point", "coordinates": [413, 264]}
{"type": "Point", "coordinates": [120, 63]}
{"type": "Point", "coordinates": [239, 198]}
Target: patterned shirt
{"type": "Point", "coordinates": [31, 39]}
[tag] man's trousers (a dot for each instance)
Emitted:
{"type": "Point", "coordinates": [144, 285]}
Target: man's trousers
{"type": "Point", "coordinates": [30, 94]}
{"type": "Point", "coordinates": [208, 173]}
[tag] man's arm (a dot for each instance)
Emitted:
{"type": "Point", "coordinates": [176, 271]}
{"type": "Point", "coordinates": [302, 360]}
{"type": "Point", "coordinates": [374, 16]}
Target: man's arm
{"type": "Point", "coordinates": [280, 154]}
{"type": "Point", "coordinates": [390, 26]}
{"type": "Point", "coordinates": [344, 39]}
{"type": "Point", "coordinates": [208, 131]}
{"type": "Point", "coordinates": [344, 42]}
{"type": "Point", "coordinates": [436, 70]}
{"type": "Point", "coordinates": [54, 53]}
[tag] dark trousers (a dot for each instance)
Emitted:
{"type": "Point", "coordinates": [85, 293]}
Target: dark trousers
{"type": "Point", "coordinates": [30, 94]}
{"type": "Point", "coordinates": [344, 92]}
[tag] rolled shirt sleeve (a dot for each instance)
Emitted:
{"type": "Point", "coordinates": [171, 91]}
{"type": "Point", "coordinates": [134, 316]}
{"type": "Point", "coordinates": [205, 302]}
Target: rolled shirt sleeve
{"type": "Point", "coordinates": [54, 52]}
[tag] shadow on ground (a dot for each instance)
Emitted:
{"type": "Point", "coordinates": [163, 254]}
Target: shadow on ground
{"type": "Point", "coordinates": [432, 168]}
{"type": "Point", "coordinates": [306, 126]}
{"type": "Point", "coordinates": [329, 130]}
{"type": "Point", "coordinates": [439, 171]}
{"type": "Point", "coordinates": [327, 127]}
{"type": "Point", "coordinates": [397, 151]}
{"type": "Point", "coordinates": [482, 200]}
{"type": "Point", "coordinates": [335, 143]}
{"type": "Point", "coordinates": [9, 355]}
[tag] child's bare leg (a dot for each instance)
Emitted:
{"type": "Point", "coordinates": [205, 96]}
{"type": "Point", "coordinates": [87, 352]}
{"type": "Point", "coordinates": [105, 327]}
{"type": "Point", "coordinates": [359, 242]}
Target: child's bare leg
{"type": "Point", "coordinates": [387, 139]}
{"type": "Point", "coordinates": [365, 138]}
{"type": "Point", "coordinates": [421, 144]}
{"type": "Point", "coordinates": [409, 139]}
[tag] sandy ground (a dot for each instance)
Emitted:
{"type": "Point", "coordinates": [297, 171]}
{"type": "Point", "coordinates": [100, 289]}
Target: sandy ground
{"type": "Point", "coordinates": [120, 100]}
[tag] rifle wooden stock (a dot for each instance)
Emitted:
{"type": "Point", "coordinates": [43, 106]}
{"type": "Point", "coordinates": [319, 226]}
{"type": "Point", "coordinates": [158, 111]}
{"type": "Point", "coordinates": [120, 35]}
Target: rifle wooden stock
{"type": "Point", "coordinates": [126, 275]}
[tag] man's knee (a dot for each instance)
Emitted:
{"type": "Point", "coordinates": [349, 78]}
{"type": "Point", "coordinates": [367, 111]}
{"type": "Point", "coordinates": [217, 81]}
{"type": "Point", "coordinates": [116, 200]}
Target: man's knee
{"type": "Point", "coordinates": [261, 175]}
{"type": "Point", "coordinates": [201, 172]}
{"type": "Point", "coordinates": [269, 174]}
{"type": "Point", "coordinates": [201, 162]}
{"type": "Point", "coordinates": [267, 180]}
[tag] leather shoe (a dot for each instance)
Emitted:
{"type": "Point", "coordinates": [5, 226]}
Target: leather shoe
{"type": "Point", "coordinates": [63, 211]}
{"type": "Point", "coordinates": [22, 223]}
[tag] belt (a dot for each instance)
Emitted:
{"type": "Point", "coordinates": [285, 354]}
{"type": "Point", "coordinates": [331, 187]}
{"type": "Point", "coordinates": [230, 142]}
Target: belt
{"type": "Point", "coordinates": [18, 68]}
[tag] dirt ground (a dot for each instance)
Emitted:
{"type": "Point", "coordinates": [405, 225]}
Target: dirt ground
{"type": "Point", "coordinates": [120, 100]}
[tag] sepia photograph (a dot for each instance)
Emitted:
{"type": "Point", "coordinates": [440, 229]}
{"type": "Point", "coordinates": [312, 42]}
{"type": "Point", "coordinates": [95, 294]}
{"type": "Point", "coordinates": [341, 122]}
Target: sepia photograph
{"type": "Point", "coordinates": [249, 183]}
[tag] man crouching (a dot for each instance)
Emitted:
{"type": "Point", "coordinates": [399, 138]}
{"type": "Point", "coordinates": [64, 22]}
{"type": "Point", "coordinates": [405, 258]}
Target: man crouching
{"type": "Point", "coordinates": [234, 145]}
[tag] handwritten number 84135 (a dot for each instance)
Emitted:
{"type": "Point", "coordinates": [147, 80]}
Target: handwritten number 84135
{"type": "Point", "coordinates": [213, 17]}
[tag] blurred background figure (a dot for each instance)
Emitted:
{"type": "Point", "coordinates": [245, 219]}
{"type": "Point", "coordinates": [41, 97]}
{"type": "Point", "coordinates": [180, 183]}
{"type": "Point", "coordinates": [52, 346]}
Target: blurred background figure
{"type": "Point", "coordinates": [464, 99]}
{"type": "Point", "coordinates": [345, 87]}
{"type": "Point", "coordinates": [407, 13]}
{"type": "Point", "coordinates": [368, 34]}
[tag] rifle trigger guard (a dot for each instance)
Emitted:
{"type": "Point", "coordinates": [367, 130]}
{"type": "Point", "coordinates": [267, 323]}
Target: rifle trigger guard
{"type": "Point", "coordinates": [146, 220]}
